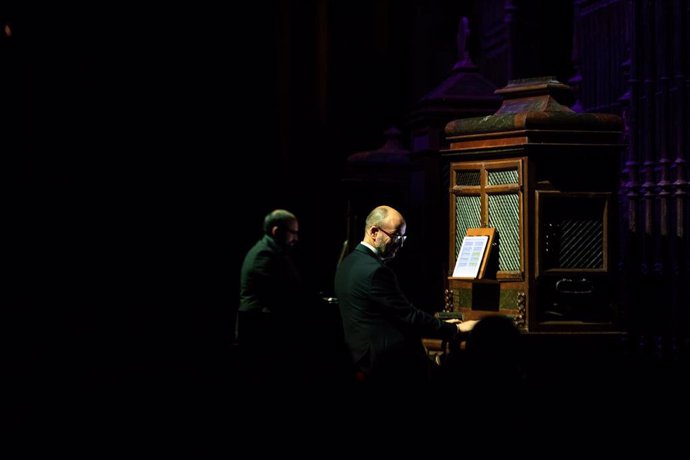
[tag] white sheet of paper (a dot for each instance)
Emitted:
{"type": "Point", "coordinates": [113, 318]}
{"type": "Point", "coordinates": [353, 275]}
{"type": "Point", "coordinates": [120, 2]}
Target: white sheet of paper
{"type": "Point", "coordinates": [470, 256]}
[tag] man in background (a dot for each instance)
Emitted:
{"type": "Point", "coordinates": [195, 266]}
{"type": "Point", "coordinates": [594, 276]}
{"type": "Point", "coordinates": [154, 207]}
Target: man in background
{"type": "Point", "coordinates": [272, 298]}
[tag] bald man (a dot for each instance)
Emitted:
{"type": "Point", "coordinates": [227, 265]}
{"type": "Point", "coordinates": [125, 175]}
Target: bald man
{"type": "Point", "coordinates": [383, 330]}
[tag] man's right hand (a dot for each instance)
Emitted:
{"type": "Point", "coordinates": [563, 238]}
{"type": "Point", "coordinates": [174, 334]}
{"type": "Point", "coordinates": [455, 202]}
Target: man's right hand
{"type": "Point", "coordinates": [466, 326]}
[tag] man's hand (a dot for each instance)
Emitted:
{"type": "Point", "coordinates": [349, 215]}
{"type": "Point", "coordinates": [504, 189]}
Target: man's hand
{"type": "Point", "coordinates": [466, 326]}
{"type": "Point", "coordinates": [463, 326]}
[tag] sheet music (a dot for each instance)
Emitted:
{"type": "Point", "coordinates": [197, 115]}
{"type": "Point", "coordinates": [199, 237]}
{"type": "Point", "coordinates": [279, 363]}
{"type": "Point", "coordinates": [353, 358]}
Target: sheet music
{"type": "Point", "coordinates": [470, 256]}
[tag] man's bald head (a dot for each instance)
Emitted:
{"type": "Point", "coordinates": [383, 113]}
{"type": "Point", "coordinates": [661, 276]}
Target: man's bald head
{"type": "Point", "coordinates": [384, 229]}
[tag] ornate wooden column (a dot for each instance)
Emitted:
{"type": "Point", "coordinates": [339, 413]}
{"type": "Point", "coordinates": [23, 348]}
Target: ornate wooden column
{"type": "Point", "coordinates": [654, 74]}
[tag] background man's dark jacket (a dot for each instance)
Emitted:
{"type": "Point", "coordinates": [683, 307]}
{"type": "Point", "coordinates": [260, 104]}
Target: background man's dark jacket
{"type": "Point", "coordinates": [270, 281]}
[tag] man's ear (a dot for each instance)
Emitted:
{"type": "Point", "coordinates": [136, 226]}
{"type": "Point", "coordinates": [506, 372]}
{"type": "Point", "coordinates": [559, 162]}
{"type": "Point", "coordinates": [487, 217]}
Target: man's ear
{"type": "Point", "coordinates": [274, 231]}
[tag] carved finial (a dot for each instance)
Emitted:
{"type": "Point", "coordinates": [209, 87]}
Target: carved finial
{"type": "Point", "coordinates": [575, 81]}
{"type": "Point", "coordinates": [393, 140]}
{"type": "Point", "coordinates": [464, 59]}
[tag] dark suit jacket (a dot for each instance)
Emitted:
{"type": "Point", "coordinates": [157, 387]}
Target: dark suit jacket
{"type": "Point", "coordinates": [272, 299]}
{"type": "Point", "coordinates": [269, 281]}
{"type": "Point", "coordinates": [383, 330]}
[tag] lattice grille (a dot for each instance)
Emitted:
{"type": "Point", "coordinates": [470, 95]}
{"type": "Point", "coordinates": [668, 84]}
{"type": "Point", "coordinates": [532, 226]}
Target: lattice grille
{"type": "Point", "coordinates": [504, 215]}
{"type": "Point", "coordinates": [573, 232]}
{"type": "Point", "coordinates": [576, 243]}
{"type": "Point", "coordinates": [502, 177]}
{"type": "Point", "coordinates": [468, 177]}
{"type": "Point", "coordinates": [468, 211]}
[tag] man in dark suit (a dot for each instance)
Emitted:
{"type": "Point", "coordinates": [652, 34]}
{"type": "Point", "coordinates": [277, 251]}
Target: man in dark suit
{"type": "Point", "coordinates": [272, 297]}
{"type": "Point", "coordinates": [383, 330]}
{"type": "Point", "coordinates": [269, 279]}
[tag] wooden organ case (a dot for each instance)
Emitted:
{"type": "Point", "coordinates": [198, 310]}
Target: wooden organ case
{"type": "Point", "coordinates": [545, 178]}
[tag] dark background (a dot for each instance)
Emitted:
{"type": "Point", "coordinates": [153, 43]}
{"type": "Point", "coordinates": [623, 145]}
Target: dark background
{"type": "Point", "coordinates": [143, 146]}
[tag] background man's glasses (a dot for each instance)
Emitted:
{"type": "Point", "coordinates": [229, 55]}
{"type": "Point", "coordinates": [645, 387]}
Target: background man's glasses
{"type": "Point", "coordinates": [397, 238]}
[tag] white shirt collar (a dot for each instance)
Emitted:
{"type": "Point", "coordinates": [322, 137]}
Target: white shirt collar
{"type": "Point", "coordinates": [370, 247]}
